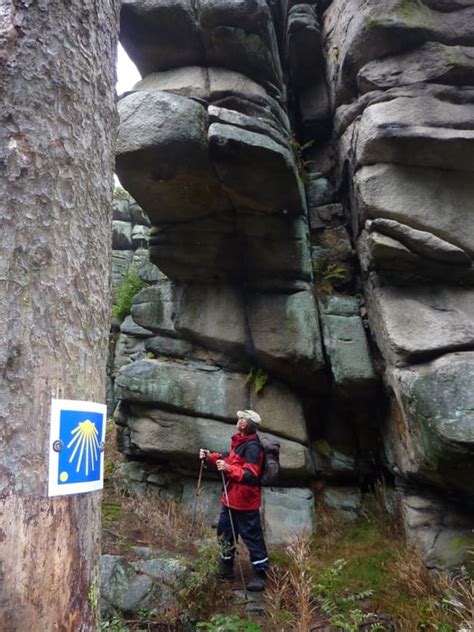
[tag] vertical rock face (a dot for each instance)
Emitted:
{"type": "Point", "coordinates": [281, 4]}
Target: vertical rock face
{"type": "Point", "coordinates": [283, 151]}
{"type": "Point", "coordinates": [401, 84]}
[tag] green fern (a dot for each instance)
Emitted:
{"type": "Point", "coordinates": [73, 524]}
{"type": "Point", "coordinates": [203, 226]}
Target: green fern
{"type": "Point", "coordinates": [327, 274]}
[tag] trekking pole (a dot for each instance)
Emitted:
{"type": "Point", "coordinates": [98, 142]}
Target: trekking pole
{"type": "Point", "coordinates": [234, 535]}
{"type": "Point", "coordinates": [198, 491]}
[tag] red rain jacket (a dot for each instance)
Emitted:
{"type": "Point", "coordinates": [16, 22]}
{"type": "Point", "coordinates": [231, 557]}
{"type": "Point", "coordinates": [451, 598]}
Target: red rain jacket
{"type": "Point", "coordinates": [243, 476]}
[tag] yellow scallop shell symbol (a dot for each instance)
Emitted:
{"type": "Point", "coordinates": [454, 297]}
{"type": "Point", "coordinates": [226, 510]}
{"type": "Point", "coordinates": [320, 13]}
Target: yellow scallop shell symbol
{"type": "Point", "coordinates": [86, 446]}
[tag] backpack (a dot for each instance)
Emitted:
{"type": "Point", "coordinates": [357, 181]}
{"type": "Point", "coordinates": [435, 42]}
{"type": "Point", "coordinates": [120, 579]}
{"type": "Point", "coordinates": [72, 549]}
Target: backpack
{"type": "Point", "coordinates": [271, 461]}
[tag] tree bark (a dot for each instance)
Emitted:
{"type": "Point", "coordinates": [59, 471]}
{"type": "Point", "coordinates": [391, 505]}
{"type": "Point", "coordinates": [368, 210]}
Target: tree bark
{"type": "Point", "coordinates": [58, 120]}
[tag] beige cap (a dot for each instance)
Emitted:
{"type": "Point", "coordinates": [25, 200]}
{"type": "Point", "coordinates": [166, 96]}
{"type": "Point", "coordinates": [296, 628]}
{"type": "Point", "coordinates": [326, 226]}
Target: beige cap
{"type": "Point", "coordinates": [251, 415]}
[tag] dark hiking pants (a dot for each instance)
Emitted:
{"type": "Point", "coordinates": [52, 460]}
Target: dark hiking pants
{"type": "Point", "coordinates": [247, 525]}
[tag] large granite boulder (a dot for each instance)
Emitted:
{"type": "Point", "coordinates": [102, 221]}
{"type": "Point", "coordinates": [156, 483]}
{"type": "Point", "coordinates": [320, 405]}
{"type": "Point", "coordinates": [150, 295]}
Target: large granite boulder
{"type": "Point", "coordinates": [255, 171]}
{"type": "Point", "coordinates": [178, 438]}
{"type": "Point", "coordinates": [213, 316]}
{"type": "Point", "coordinates": [163, 159]}
{"type": "Point", "coordinates": [285, 334]}
{"type": "Point", "coordinates": [431, 428]}
{"type": "Point", "coordinates": [357, 32]}
{"type": "Point", "coordinates": [128, 587]}
{"type": "Point", "coordinates": [228, 34]}
{"type": "Point", "coordinates": [440, 529]}
{"type": "Point", "coordinates": [202, 390]}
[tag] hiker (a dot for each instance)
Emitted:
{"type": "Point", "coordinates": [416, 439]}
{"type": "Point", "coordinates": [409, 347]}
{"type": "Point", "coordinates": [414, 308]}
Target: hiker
{"type": "Point", "coordinates": [242, 467]}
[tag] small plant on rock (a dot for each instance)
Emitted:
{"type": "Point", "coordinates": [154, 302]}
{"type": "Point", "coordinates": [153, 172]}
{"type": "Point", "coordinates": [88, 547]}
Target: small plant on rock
{"type": "Point", "coordinates": [327, 274]}
{"type": "Point", "coordinates": [114, 625]}
{"type": "Point", "coordinates": [301, 163]}
{"type": "Point", "coordinates": [257, 378]}
{"type": "Point", "coordinates": [131, 285]}
{"type": "Point", "coordinates": [121, 194]}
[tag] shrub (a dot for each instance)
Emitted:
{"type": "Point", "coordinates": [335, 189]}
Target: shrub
{"type": "Point", "coordinates": [201, 591]}
{"type": "Point", "coordinates": [131, 285]}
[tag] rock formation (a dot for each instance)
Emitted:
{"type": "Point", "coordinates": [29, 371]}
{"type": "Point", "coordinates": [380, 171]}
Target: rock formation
{"type": "Point", "coordinates": [283, 150]}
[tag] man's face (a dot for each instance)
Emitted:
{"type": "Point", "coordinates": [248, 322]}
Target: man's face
{"type": "Point", "coordinates": [241, 424]}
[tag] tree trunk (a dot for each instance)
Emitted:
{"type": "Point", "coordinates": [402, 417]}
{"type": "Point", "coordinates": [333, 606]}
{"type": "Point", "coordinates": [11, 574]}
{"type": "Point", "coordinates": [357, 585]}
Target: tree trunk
{"type": "Point", "coordinates": [58, 119]}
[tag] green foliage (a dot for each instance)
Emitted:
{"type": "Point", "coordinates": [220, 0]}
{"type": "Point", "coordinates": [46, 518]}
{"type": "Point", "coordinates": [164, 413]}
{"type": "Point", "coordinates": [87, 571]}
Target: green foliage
{"type": "Point", "coordinates": [121, 194]}
{"type": "Point", "coordinates": [145, 613]}
{"type": "Point", "coordinates": [324, 448]}
{"type": "Point", "coordinates": [131, 285]}
{"type": "Point", "coordinates": [298, 151]}
{"type": "Point", "coordinates": [341, 606]}
{"type": "Point", "coordinates": [327, 274]}
{"type": "Point", "coordinates": [228, 623]}
{"type": "Point", "coordinates": [201, 585]}
{"type": "Point", "coordinates": [354, 619]}
{"type": "Point", "coordinates": [114, 625]}
{"type": "Point", "coordinates": [257, 378]}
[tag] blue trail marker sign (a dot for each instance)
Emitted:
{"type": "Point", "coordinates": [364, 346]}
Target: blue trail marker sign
{"type": "Point", "coordinates": [76, 447]}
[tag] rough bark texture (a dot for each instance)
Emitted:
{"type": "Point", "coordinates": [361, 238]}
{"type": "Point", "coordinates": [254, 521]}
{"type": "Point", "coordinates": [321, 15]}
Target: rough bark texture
{"type": "Point", "coordinates": [56, 158]}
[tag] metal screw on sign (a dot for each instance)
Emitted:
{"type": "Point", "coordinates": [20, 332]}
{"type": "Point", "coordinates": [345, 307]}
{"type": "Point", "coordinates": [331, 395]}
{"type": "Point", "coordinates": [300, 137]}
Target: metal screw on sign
{"type": "Point", "coordinates": [58, 445]}
{"type": "Point", "coordinates": [102, 446]}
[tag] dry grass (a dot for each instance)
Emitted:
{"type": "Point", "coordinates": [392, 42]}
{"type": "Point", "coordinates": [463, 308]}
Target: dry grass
{"type": "Point", "coordinates": [278, 596]}
{"type": "Point", "coordinates": [167, 522]}
{"type": "Point", "coordinates": [288, 598]}
{"type": "Point", "coordinates": [384, 511]}
{"type": "Point", "coordinates": [328, 527]}
{"type": "Point", "coordinates": [112, 454]}
{"type": "Point", "coordinates": [460, 599]}
{"type": "Point", "coordinates": [412, 576]}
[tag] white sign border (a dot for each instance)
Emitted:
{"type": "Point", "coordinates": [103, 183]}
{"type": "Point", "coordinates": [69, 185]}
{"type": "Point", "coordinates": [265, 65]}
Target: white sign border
{"type": "Point", "coordinates": [65, 489]}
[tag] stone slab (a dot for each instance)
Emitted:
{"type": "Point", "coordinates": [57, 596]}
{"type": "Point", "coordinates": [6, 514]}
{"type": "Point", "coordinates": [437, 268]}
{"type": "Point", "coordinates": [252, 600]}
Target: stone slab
{"type": "Point", "coordinates": [349, 355]}
{"type": "Point", "coordinates": [437, 201]}
{"type": "Point", "coordinates": [213, 316]}
{"type": "Point", "coordinates": [413, 323]}
{"type": "Point", "coordinates": [178, 438]}
{"type": "Point", "coordinates": [287, 512]}
{"type": "Point", "coordinates": [423, 131]}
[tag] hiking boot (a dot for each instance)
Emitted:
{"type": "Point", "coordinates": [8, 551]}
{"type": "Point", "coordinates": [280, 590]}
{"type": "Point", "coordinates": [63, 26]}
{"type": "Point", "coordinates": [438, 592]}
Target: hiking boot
{"type": "Point", "coordinates": [226, 569]}
{"type": "Point", "coordinates": [257, 583]}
